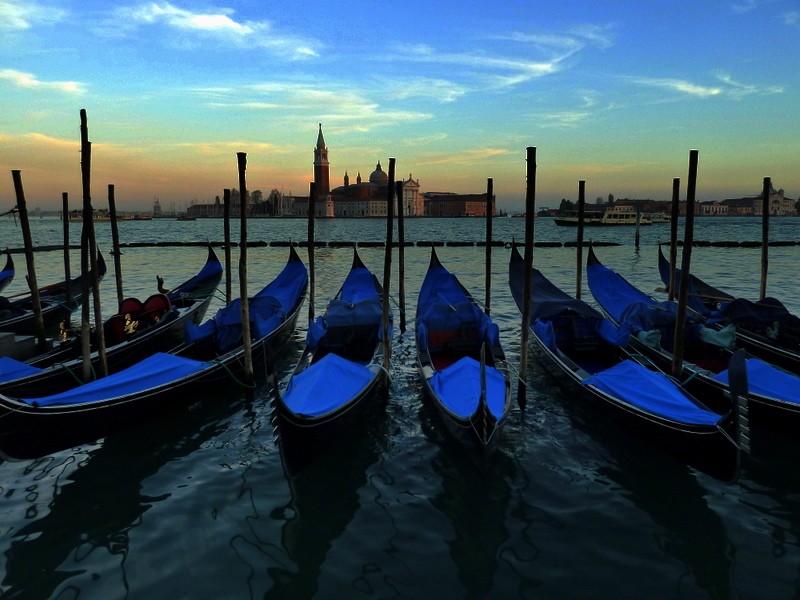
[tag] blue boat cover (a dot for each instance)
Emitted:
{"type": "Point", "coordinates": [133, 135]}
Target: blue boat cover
{"type": "Point", "coordinates": [653, 392]}
{"type": "Point", "coordinates": [458, 387]}
{"type": "Point", "coordinates": [156, 370]}
{"type": "Point", "coordinates": [765, 380]}
{"type": "Point", "coordinates": [268, 309]}
{"type": "Point", "coordinates": [444, 304]}
{"type": "Point", "coordinates": [548, 301]}
{"type": "Point", "coordinates": [212, 268]}
{"type": "Point", "coordinates": [11, 369]}
{"type": "Point", "coordinates": [326, 386]}
{"type": "Point", "coordinates": [614, 293]}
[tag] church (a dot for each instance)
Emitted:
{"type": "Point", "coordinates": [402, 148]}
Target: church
{"type": "Point", "coordinates": [355, 199]}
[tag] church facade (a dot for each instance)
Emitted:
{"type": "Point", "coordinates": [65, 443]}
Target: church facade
{"type": "Point", "coordinates": [355, 199]}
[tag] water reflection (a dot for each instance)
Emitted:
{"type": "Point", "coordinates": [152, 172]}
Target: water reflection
{"type": "Point", "coordinates": [324, 499]}
{"type": "Point", "coordinates": [97, 506]}
{"type": "Point", "coordinates": [685, 527]}
{"type": "Point", "coordinates": [475, 497]}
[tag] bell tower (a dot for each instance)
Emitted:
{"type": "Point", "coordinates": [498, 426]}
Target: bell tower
{"type": "Point", "coordinates": [322, 168]}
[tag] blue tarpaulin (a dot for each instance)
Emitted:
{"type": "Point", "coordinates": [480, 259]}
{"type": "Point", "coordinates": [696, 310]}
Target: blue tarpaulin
{"type": "Point", "coordinates": [766, 380]}
{"type": "Point", "coordinates": [11, 369]}
{"type": "Point", "coordinates": [652, 392]}
{"type": "Point", "coordinates": [152, 372]}
{"type": "Point", "coordinates": [459, 388]}
{"type": "Point", "coordinates": [326, 385]}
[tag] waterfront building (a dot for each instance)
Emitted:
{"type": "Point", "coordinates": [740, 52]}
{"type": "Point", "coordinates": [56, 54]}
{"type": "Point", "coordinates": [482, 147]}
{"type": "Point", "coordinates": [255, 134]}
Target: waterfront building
{"type": "Point", "coordinates": [448, 204]}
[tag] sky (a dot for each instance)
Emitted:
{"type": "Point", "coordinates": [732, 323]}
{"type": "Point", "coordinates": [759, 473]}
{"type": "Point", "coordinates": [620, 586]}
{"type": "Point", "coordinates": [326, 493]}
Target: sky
{"type": "Point", "coordinates": [613, 93]}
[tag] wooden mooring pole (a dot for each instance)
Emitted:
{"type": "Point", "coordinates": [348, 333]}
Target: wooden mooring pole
{"type": "Point", "coordinates": [530, 201]}
{"type": "Point", "coordinates": [89, 263]}
{"type": "Point", "coordinates": [67, 270]}
{"type": "Point", "coordinates": [312, 192]}
{"type": "Point", "coordinates": [38, 321]}
{"type": "Point", "coordinates": [765, 237]}
{"type": "Point", "coordinates": [112, 211]}
{"type": "Point", "coordinates": [673, 234]}
{"type": "Point", "coordinates": [243, 206]}
{"type": "Point", "coordinates": [488, 268]}
{"type": "Point", "coordinates": [581, 217]}
{"type": "Point", "coordinates": [387, 269]}
{"type": "Point", "coordinates": [686, 264]}
{"type": "Point", "coordinates": [401, 255]}
{"type": "Point", "coordinates": [226, 225]}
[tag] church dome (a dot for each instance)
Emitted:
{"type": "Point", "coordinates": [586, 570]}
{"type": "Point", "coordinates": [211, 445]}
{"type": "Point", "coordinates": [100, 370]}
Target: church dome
{"type": "Point", "coordinates": [378, 175]}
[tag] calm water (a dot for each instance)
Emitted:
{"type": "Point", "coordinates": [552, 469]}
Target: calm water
{"type": "Point", "coordinates": [571, 506]}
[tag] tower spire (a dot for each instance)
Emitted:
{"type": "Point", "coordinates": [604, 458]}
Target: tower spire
{"type": "Point", "coordinates": [320, 139]}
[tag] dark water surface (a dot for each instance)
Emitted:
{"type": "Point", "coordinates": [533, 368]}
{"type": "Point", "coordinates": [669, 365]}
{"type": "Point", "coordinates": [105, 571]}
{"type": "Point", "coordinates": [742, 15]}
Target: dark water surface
{"type": "Point", "coordinates": [197, 505]}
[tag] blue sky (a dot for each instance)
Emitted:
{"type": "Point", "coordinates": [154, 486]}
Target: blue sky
{"type": "Point", "coordinates": [615, 93]}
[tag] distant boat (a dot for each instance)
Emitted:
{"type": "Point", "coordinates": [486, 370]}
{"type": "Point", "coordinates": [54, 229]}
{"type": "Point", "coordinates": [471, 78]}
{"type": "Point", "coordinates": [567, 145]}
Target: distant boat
{"type": "Point", "coordinates": [612, 216]}
{"type": "Point", "coordinates": [186, 218]}
{"type": "Point", "coordinates": [660, 217]}
{"type": "Point", "coordinates": [99, 215]}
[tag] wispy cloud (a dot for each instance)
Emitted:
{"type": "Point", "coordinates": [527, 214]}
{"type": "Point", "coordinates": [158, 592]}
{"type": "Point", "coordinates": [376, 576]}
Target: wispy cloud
{"type": "Point", "coordinates": [24, 15]}
{"type": "Point", "coordinates": [792, 18]}
{"type": "Point", "coordinates": [422, 87]}
{"type": "Point", "coordinates": [532, 56]}
{"type": "Point", "coordinates": [729, 87]}
{"type": "Point", "coordinates": [680, 85]}
{"type": "Point", "coordinates": [465, 157]}
{"type": "Point", "coordinates": [740, 90]}
{"type": "Point", "coordinates": [565, 119]}
{"type": "Point", "coordinates": [220, 26]}
{"type": "Point", "coordinates": [343, 108]}
{"type": "Point", "coordinates": [29, 81]}
{"type": "Point", "coordinates": [744, 6]}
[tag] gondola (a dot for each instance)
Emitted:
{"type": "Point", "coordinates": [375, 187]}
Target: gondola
{"type": "Point", "coordinates": [340, 375]}
{"type": "Point", "coordinates": [774, 393]}
{"type": "Point", "coordinates": [213, 356]}
{"type": "Point", "coordinates": [590, 355]}
{"type": "Point", "coordinates": [138, 329]}
{"type": "Point", "coordinates": [7, 274]}
{"type": "Point", "coordinates": [17, 315]}
{"type": "Point", "coordinates": [461, 360]}
{"type": "Point", "coordinates": [765, 328]}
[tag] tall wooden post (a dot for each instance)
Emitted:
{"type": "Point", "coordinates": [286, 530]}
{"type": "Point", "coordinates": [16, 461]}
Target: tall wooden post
{"type": "Point", "coordinates": [686, 264]}
{"type": "Point", "coordinates": [530, 201]}
{"type": "Point", "coordinates": [673, 234]}
{"type": "Point", "coordinates": [312, 193]}
{"type": "Point", "coordinates": [38, 321]}
{"type": "Point", "coordinates": [636, 236]}
{"type": "Point", "coordinates": [387, 268]}
{"type": "Point", "coordinates": [581, 217]}
{"type": "Point", "coordinates": [226, 225]}
{"type": "Point", "coordinates": [91, 243]}
{"type": "Point", "coordinates": [488, 262]}
{"type": "Point", "coordinates": [112, 210]}
{"type": "Point", "coordinates": [765, 237]}
{"type": "Point", "coordinates": [401, 255]}
{"type": "Point", "coordinates": [65, 226]}
{"type": "Point", "coordinates": [246, 341]}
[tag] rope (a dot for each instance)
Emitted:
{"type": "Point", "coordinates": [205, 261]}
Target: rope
{"type": "Point", "coordinates": [74, 376]}
{"type": "Point", "coordinates": [233, 376]}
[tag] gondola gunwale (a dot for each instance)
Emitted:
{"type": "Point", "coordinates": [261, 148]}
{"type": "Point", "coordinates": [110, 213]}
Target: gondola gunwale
{"type": "Point", "coordinates": [754, 343]}
{"type": "Point", "coordinates": [53, 303]}
{"type": "Point", "coordinates": [708, 446]}
{"type": "Point", "coordinates": [765, 409]}
{"type": "Point", "coordinates": [89, 420]}
{"type": "Point", "coordinates": [296, 429]}
{"type": "Point", "coordinates": [62, 362]}
{"type": "Point", "coordinates": [465, 429]}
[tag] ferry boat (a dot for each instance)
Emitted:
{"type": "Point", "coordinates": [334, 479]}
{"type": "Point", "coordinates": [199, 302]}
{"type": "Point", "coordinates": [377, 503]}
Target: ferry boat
{"type": "Point", "coordinates": [612, 216]}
